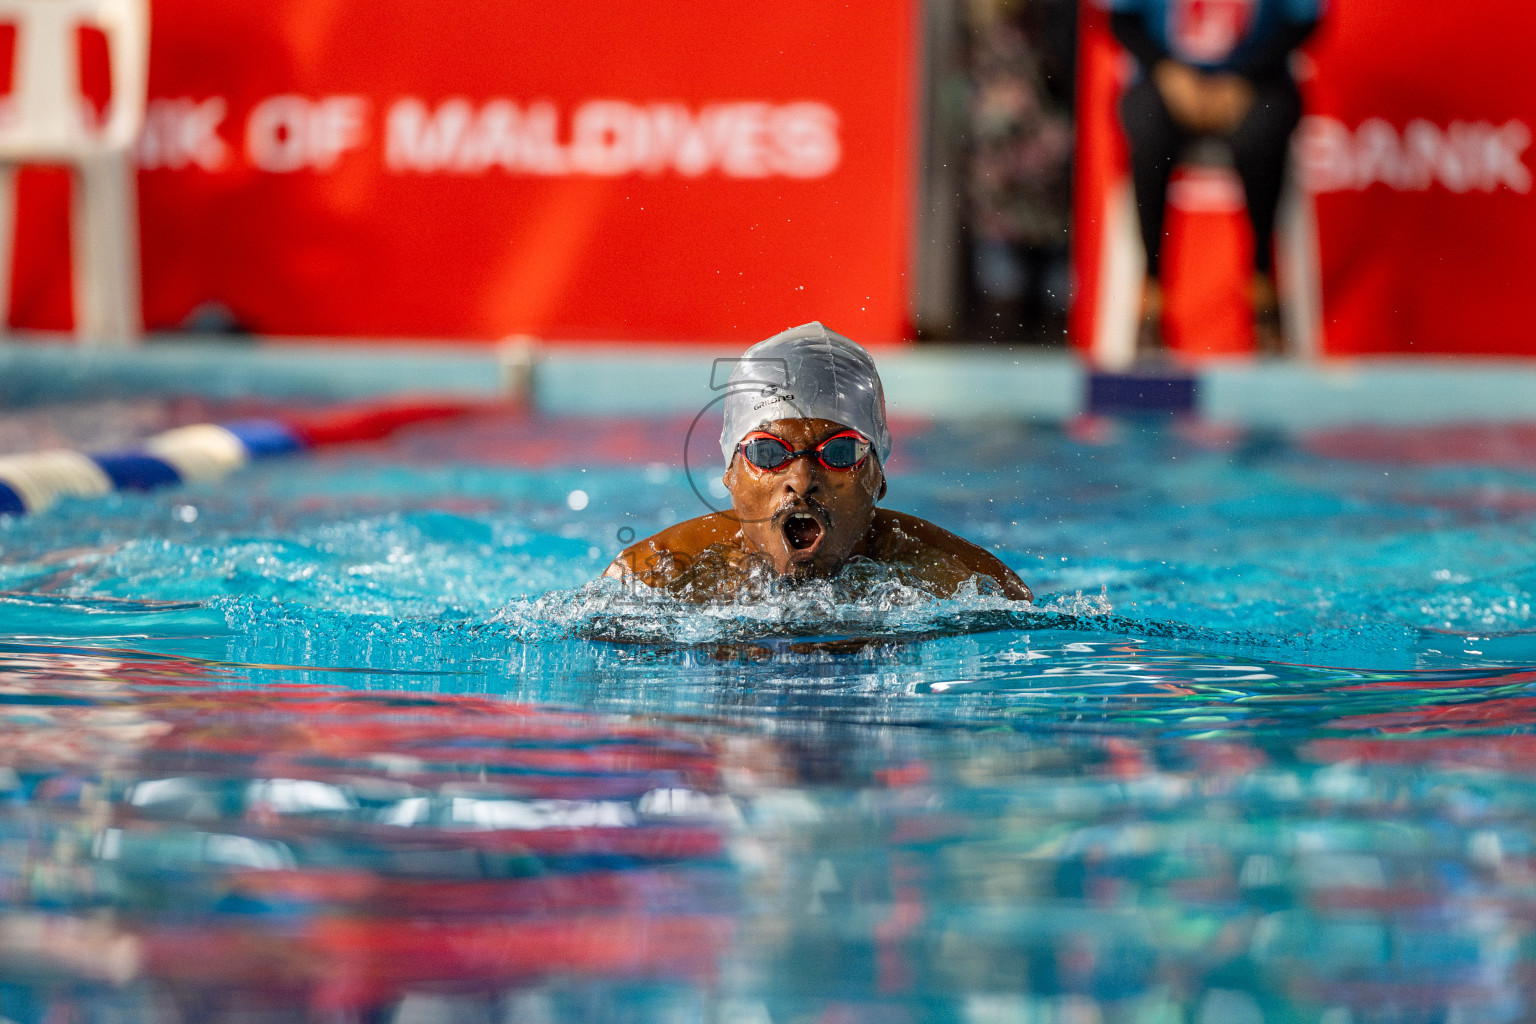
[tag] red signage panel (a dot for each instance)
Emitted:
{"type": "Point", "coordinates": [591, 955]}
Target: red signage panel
{"type": "Point", "coordinates": [1417, 148]}
{"type": "Point", "coordinates": [1416, 152]}
{"type": "Point", "coordinates": [595, 169]}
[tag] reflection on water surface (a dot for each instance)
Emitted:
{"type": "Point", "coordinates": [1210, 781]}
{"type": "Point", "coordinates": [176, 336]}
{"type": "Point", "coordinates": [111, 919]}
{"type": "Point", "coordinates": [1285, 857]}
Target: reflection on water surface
{"type": "Point", "coordinates": [333, 742]}
{"type": "Point", "coordinates": [176, 844]}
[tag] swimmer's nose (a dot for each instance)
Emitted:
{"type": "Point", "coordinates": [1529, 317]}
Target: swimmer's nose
{"type": "Point", "coordinates": [801, 477]}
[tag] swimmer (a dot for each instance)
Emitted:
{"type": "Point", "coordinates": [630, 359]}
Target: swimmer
{"type": "Point", "coordinates": [805, 445]}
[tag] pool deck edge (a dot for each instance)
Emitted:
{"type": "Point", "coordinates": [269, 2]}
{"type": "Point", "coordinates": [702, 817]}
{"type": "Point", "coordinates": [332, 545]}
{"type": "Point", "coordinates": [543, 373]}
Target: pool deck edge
{"type": "Point", "coordinates": [942, 382]}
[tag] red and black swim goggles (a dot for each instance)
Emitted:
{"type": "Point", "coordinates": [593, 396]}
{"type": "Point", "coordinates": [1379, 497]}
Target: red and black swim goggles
{"type": "Point", "coordinates": [841, 452]}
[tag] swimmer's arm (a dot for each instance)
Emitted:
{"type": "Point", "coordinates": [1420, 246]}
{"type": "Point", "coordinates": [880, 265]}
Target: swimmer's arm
{"type": "Point", "coordinates": [935, 545]}
{"type": "Point", "coordinates": [634, 564]}
{"type": "Point", "coordinates": [657, 561]}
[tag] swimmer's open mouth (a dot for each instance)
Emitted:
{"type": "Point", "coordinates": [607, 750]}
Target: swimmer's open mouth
{"type": "Point", "coordinates": [803, 531]}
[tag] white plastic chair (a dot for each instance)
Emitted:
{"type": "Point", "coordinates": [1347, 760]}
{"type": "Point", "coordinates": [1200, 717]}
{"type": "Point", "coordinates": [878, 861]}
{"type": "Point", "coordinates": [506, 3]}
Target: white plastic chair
{"type": "Point", "coordinates": [45, 120]}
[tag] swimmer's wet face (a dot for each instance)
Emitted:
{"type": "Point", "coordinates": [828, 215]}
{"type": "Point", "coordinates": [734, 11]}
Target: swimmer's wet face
{"type": "Point", "coordinates": [806, 517]}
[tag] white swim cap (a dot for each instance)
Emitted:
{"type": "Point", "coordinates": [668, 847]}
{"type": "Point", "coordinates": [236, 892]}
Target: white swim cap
{"type": "Point", "coordinates": [806, 372]}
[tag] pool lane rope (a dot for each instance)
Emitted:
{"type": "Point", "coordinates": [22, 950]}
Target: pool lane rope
{"type": "Point", "coordinates": [36, 481]}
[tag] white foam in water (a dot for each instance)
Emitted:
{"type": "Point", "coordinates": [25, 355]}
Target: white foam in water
{"type": "Point", "coordinates": [866, 600]}
{"type": "Point", "coordinates": [1269, 551]}
{"type": "Point", "coordinates": [1080, 604]}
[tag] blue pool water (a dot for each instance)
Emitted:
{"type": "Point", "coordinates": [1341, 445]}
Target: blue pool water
{"type": "Point", "coordinates": [353, 737]}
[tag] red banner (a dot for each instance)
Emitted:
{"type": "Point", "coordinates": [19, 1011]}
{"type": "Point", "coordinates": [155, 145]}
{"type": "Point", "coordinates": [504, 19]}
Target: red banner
{"type": "Point", "coordinates": [594, 169]}
{"type": "Point", "coordinates": [1415, 156]}
{"type": "Point", "coordinates": [1417, 150]}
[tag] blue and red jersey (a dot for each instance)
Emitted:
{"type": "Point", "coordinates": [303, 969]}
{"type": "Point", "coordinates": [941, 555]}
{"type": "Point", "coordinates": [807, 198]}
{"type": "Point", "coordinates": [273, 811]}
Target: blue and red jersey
{"type": "Point", "coordinates": [1220, 35]}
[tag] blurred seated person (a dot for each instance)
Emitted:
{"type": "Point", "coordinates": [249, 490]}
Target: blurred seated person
{"type": "Point", "coordinates": [1217, 68]}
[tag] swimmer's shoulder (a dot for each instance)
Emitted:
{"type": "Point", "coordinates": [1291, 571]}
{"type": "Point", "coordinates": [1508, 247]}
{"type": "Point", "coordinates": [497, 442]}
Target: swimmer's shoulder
{"type": "Point", "coordinates": [659, 558]}
{"type": "Point", "coordinates": [946, 557]}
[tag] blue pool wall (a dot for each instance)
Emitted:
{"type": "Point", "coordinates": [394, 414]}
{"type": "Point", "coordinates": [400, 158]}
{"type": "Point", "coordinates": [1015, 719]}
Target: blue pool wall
{"type": "Point", "coordinates": [942, 382]}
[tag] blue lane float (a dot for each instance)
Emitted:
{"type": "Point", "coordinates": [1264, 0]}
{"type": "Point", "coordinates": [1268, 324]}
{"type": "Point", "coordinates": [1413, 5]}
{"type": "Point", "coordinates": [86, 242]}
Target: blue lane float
{"type": "Point", "coordinates": [36, 481]}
